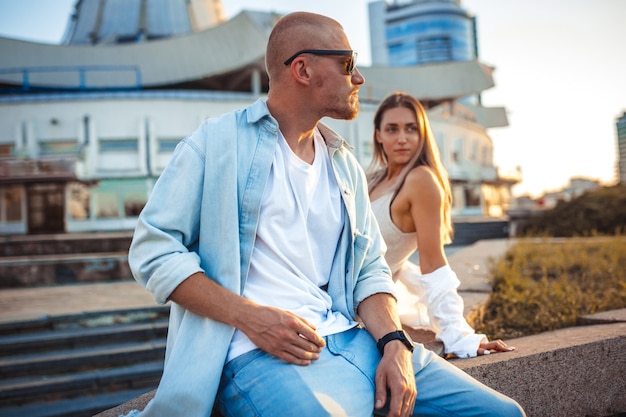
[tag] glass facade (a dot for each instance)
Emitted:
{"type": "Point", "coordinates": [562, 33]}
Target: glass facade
{"type": "Point", "coordinates": [621, 148]}
{"type": "Point", "coordinates": [440, 38]}
{"type": "Point", "coordinates": [124, 21]}
{"type": "Point", "coordinates": [55, 148]}
{"type": "Point", "coordinates": [107, 199]}
{"type": "Point", "coordinates": [420, 32]}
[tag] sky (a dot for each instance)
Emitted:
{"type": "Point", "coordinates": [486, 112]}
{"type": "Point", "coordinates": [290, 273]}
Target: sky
{"type": "Point", "coordinates": [560, 72]}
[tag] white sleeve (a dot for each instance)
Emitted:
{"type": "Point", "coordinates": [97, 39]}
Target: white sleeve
{"type": "Point", "coordinates": [438, 291]}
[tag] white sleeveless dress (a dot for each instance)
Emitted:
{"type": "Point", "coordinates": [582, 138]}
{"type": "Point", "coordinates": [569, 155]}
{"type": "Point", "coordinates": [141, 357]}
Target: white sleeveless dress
{"type": "Point", "coordinates": [426, 301]}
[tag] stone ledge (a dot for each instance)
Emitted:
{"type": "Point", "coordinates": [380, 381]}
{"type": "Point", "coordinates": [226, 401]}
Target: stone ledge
{"type": "Point", "coordinates": [577, 371]}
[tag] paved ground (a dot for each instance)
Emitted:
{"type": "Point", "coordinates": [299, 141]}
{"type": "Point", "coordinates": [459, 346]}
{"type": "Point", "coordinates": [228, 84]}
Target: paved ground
{"type": "Point", "coordinates": [470, 263]}
{"type": "Point", "coordinates": [32, 303]}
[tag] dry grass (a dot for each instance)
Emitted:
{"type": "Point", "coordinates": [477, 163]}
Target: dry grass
{"type": "Point", "coordinates": [547, 284]}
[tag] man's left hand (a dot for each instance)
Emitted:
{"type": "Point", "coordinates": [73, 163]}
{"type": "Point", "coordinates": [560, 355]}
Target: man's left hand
{"type": "Point", "coordinates": [394, 377]}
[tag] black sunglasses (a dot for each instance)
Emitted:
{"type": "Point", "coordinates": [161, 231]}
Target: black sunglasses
{"type": "Point", "coordinates": [350, 63]}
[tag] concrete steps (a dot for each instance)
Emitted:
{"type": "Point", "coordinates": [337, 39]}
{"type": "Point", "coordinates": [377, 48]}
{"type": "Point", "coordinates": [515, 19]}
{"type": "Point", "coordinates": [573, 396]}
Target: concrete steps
{"type": "Point", "coordinates": [41, 260]}
{"type": "Point", "coordinates": [80, 365]}
{"type": "Point", "coordinates": [64, 243]}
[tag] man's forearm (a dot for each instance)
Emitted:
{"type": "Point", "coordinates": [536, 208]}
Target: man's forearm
{"type": "Point", "coordinates": [206, 298]}
{"type": "Point", "coordinates": [379, 313]}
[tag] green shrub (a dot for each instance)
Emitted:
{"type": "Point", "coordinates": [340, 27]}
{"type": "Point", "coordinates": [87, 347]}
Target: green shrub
{"type": "Point", "coordinates": [547, 284]}
{"type": "Point", "coordinates": [598, 212]}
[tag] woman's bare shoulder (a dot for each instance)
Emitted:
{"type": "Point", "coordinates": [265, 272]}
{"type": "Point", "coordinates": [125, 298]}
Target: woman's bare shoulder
{"type": "Point", "coordinates": [423, 179]}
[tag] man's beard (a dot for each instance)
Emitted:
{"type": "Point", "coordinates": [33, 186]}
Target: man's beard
{"type": "Point", "coordinates": [347, 111]}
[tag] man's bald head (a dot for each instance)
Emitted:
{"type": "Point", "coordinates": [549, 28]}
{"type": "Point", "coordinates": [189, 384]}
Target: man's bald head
{"type": "Point", "coordinates": [298, 31]}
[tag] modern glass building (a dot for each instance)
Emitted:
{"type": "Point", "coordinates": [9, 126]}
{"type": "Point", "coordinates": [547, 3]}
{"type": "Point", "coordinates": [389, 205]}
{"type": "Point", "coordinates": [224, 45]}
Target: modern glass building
{"type": "Point", "coordinates": [416, 32]}
{"type": "Point", "coordinates": [621, 148]}
{"type": "Point", "coordinates": [129, 21]}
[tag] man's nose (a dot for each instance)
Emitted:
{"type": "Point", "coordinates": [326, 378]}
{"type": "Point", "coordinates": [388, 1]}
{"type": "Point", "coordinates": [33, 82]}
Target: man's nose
{"type": "Point", "coordinates": [357, 77]}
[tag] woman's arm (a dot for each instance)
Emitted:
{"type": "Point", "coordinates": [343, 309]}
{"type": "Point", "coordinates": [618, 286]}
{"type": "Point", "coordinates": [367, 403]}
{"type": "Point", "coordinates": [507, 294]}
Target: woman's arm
{"type": "Point", "coordinates": [424, 198]}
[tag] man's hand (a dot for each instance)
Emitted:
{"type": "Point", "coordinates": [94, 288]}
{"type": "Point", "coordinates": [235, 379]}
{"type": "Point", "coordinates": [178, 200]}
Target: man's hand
{"type": "Point", "coordinates": [283, 335]}
{"type": "Point", "coordinates": [395, 377]}
{"type": "Point", "coordinates": [277, 332]}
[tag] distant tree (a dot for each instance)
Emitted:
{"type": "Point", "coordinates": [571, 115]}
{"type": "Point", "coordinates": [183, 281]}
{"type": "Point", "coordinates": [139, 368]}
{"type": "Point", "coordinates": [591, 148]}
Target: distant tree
{"type": "Point", "coordinates": [597, 212]}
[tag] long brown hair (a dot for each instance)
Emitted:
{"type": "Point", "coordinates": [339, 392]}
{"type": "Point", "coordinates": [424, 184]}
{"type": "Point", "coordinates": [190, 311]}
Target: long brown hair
{"type": "Point", "coordinates": [427, 154]}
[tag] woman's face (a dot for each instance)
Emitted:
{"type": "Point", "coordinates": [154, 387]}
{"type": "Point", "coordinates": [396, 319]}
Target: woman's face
{"type": "Point", "coordinates": [398, 135]}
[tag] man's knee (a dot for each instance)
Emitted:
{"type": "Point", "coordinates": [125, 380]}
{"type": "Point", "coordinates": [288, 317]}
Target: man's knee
{"type": "Point", "coordinates": [508, 407]}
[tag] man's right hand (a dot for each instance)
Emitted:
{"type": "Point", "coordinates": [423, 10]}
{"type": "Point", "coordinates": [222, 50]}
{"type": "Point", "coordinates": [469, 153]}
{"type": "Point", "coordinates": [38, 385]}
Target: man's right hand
{"type": "Point", "coordinates": [282, 334]}
{"type": "Point", "coordinates": [277, 332]}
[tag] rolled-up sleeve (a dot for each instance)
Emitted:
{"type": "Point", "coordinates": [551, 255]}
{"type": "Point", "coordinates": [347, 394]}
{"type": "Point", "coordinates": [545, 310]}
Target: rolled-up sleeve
{"type": "Point", "coordinates": [160, 255]}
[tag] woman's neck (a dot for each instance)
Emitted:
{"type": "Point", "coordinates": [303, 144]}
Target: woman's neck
{"type": "Point", "coordinates": [385, 185]}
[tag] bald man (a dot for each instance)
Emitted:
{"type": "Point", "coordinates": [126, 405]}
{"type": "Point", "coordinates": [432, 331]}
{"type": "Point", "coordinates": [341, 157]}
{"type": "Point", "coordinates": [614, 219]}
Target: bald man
{"type": "Point", "coordinates": [260, 233]}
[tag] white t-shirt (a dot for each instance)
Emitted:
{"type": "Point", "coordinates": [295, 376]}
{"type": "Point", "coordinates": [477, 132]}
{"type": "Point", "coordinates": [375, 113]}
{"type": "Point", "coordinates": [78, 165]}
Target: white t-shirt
{"type": "Point", "coordinates": [300, 223]}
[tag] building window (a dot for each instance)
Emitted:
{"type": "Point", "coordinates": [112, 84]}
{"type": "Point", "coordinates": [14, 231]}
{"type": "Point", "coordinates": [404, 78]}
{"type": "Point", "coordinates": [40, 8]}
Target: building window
{"type": "Point", "coordinates": [168, 145]}
{"type": "Point", "coordinates": [439, 139]}
{"type": "Point", "coordinates": [107, 205]}
{"type": "Point", "coordinates": [416, 39]}
{"type": "Point", "coordinates": [11, 202]}
{"type": "Point", "coordinates": [133, 203]}
{"type": "Point", "coordinates": [434, 49]}
{"type": "Point", "coordinates": [108, 199]}
{"type": "Point", "coordinates": [118, 145]}
{"type": "Point", "coordinates": [46, 207]}
{"type": "Point", "coordinates": [472, 195]}
{"type": "Point", "coordinates": [474, 151]}
{"type": "Point", "coordinates": [458, 151]}
{"type": "Point", "coordinates": [58, 147]}
{"type": "Point", "coordinates": [497, 198]}
{"type": "Point", "coordinates": [486, 160]}
{"type": "Point", "coordinates": [79, 201]}
{"type": "Point", "coordinates": [6, 149]}
{"type": "Point", "coordinates": [119, 198]}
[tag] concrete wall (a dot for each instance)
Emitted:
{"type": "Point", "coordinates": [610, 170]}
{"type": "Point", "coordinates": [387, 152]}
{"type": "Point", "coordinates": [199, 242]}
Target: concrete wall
{"type": "Point", "coordinates": [571, 372]}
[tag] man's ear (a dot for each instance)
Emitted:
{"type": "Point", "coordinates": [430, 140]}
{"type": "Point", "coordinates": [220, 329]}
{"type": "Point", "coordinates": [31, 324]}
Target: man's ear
{"type": "Point", "coordinates": [300, 71]}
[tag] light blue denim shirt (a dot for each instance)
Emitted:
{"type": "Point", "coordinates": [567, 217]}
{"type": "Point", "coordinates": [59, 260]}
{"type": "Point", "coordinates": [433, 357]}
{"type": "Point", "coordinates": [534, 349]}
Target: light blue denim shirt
{"type": "Point", "coordinates": [202, 215]}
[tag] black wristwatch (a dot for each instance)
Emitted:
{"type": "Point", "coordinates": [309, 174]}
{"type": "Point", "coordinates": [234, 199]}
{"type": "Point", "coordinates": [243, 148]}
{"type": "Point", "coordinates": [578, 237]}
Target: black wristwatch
{"type": "Point", "coordinates": [397, 335]}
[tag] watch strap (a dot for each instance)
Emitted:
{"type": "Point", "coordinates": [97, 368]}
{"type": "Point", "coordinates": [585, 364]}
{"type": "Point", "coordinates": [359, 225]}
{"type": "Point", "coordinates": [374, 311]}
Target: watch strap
{"type": "Point", "coordinates": [395, 335]}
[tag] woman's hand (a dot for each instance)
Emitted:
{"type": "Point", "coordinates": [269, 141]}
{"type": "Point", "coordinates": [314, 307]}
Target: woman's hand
{"type": "Point", "coordinates": [494, 346]}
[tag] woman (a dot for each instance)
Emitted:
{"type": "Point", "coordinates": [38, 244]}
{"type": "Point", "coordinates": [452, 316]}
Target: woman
{"type": "Point", "coordinates": [411, 199]}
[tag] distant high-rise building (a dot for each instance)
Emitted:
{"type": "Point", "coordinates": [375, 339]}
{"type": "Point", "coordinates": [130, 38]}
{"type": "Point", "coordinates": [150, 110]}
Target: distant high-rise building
{"type": "Point", "coordinates": [621, 148]}
{"type": "Point", "coordinates": [414, 32]}
{"type": "Point", "coordinates": [129, 21]}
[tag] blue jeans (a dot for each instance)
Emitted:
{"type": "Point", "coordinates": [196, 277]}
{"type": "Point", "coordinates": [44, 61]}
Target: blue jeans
{"type": "Point", "coordinates": [341, 383]}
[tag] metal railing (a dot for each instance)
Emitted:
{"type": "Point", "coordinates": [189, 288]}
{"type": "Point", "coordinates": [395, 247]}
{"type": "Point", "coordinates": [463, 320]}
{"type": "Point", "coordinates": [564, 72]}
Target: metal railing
{"type": "Point", "coordinates": [76, 77]}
